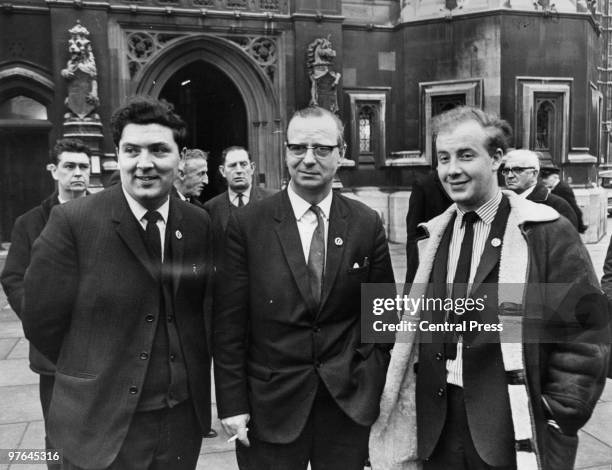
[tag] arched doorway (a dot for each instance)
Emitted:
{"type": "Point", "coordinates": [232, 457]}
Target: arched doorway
{"type": "Point", "coordinates": [226, 62]}
{"type": "Point", "coordinates": [25, 96]}
{"type": "Point", "coordinates": [214, 110]}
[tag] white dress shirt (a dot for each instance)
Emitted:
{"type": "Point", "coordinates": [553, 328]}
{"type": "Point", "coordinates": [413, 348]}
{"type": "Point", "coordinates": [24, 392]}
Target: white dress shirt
{"type": "Point", "coordinates": [233, 196]}
{"type": "Point", "coordinates": [307, 219]}
{"type": "Point", "coordinates": [139, 212]}
{"type": "Point", "coordinates": [482, 228]}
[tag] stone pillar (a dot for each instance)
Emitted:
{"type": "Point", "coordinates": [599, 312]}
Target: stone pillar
{"type": "Point", "coordinates": [82, 121]}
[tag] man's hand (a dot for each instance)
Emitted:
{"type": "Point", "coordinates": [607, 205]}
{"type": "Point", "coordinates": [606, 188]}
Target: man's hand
{"type": "Point", "coordinates": [237, 426]}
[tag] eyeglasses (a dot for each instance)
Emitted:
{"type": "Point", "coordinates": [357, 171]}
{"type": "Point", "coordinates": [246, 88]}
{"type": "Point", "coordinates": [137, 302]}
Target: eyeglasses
{"type": "Point", "coordinates": [320, 151]}
{"type": "Point", "coordinates": [517, 170]}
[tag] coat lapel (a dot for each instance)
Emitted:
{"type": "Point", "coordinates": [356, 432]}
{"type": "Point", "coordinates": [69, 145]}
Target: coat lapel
{"type": "Point", "coordinates": [128, 230]}
{"type": "Point", "coordinates": [336, 241]}
{"type": "Point", "coordinates": [225, 211]}
{"type": "Point", "coordinates": [177, 242]}
{"type": "Point", "coordinates": [289, 237]}
{"type": "Point", "coordinates": [491, 252]}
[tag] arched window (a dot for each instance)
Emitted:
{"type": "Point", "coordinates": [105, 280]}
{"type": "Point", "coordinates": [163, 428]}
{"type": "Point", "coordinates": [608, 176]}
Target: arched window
{"type": "Point", "coordinates": [365, 129]}
{"type": "Point", "coordinates": [22, 107]}
{"type": "Point", "coordinates": [544, 122]}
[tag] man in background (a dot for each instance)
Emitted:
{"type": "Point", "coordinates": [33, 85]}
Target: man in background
{"type": "Point", "coordinates": [521, 171]}
{"type": "Point", "coordinates": [551, 179]}
{"type": "Point", "coordinates": [70, 168]}
{"type": "Point", "coordinates": [192, 176]}
{"type": "Point", "coordinates": [237, 169]}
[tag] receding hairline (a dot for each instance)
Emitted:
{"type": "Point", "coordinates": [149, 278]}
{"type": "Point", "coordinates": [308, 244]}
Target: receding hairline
{"type": "Point", "coordinates": [527, 156]}
{"type": "Point", "coordinates": [313, 112]}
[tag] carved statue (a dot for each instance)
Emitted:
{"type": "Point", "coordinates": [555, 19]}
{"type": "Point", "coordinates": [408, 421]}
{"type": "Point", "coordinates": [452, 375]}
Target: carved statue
{"type": "Point", "coordinates": [82, 75]}
{"type": "Point", "coordinates": [323, 80]}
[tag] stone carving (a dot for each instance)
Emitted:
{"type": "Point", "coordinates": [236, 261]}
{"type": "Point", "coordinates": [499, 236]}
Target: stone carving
{"type": "Point", "coordinates": [323, 80]}
{"type": "Point", "coordinates": [82, 75]}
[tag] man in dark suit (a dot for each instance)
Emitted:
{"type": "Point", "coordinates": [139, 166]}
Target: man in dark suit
{"type": "Point", "coordinates": [498, 385]}
{"type": "Point", "coordinates": [70, 167]}
{"type": "Point", "coordinates": [550, 177]}
{"type": "Point", "coordinates": [427, 200]}
{"type": "Point", "coordinates": [237, 169]}
{"type": "Point", "coordinates": [114, 297]}
{"type": "Point", "coordinates": [289, 361]}
{"type": "Point", "coordinates": [521, 169]}
{"type": "Point", "coordinates": [192, 176]}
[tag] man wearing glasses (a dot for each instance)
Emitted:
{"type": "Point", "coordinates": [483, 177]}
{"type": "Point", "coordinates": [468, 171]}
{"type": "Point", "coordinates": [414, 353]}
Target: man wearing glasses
{"type": "Point", "coordinates": [521, 171]}
{"type": "Point", "coordinates": [294, 382]}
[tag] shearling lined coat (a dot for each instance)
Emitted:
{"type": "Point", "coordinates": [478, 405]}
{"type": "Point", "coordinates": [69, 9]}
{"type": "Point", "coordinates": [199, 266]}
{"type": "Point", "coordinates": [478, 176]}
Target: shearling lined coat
{"type": "Point", "coordinates": [564, 379]}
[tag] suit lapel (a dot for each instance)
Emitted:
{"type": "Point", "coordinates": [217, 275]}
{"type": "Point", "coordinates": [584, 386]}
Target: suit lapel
{"type": "Point", "coordinates": [491, 252]}
{"type": "Point", "coordinates": [289, 237]}
{"type": "Point", "coordinates": [174, 229]}
{"type": "Point", "coordinates": [225, 211]}
{"type": "Point", "coordinates": [440, 267]}
{"type": "Point", "coordinates": [128, 230]}
{"type": "Point", "coordinates": [337, 231]}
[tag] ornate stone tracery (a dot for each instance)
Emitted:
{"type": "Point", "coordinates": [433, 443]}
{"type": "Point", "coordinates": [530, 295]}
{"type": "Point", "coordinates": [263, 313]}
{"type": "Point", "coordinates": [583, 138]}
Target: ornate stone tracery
{"type": "Point", "coordinates": [141, 45]}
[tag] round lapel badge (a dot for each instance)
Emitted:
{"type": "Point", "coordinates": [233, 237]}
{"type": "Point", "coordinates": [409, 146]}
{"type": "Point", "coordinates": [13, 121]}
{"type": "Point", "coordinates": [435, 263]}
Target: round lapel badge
{"type": "Point", "coordinates": [178, 234]}
{"type": "Point", "coordinates": [496, 242]}
{"type": "Point", "coordinates": [338, 241]}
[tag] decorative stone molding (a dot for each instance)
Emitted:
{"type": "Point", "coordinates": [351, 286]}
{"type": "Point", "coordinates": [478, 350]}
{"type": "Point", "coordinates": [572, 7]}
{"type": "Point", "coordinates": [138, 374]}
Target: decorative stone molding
{"type": "Point", "coordinates": [142, 45]}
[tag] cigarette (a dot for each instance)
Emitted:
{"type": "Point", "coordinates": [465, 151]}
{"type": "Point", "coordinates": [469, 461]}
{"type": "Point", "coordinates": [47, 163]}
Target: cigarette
{"type": "Point", "coordinates": [235, 436]}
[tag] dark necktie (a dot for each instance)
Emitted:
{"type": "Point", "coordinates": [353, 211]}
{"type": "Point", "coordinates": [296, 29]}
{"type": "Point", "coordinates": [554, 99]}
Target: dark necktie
{"type": "Point", "coordinates": [240, 200]}
{"type": "Point", "coordinates": [316, 256]}
{"type": "Point", "coordinates": [462, 277]}
{"type": "Point", "coordinates": [152, 236]}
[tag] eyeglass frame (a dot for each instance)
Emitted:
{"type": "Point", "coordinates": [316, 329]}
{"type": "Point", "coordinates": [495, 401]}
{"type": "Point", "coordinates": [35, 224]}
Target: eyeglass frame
{"type": "Point", "coordinates": [517, 170]}
{"type": "Point", "coordinates": [313, 148]}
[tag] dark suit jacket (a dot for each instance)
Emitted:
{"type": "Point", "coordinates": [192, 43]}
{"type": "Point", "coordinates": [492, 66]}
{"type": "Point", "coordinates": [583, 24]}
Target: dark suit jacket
{"type": "Point", "coordinates": [272, 343]}
{"type": "Point", "coordinates": [428, 199]}
{"type": "Point", "coordinates": [92, 306]}
{"type": "Point", "coordinates": [219, 208]}
{"type": "Point", "coordinates": [542, 195]}
{"type": "Point", "coordinates": [26, 230]}
{"type": "Point", "coordinates": [566, 192]}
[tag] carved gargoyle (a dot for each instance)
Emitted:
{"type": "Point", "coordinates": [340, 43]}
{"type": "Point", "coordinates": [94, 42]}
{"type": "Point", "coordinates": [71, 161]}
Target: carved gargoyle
{"type": "Point", "coordinates": [323, 80]}
{"type": "Point", "coordinates": [82, 74]}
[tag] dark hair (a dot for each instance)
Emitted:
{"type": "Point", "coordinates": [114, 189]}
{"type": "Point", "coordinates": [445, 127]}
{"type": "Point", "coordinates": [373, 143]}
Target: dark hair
{"type": "Point", "coordinates": [317, 111]}
{"type": "Point", "coordinates": [232, 149]}
{"type": "Point", "coordinates": [498, 130]}
{"type": "Point", "coordinates": [146, 110]}
{"type": "Point", "coordinates": [68, 145]}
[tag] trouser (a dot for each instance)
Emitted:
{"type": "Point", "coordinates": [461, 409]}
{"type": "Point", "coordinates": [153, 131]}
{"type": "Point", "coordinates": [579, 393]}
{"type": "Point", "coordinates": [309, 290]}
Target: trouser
{"type": "Point", "coordinates": [166, 439]}
{"type": "Point", "coordinates": [330, 440]}
{"type": "Point", "coordinates": [455, 449]}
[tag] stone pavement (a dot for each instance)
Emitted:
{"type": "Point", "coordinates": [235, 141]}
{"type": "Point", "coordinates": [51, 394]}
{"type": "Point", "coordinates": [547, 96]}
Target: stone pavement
{"type": "Point", "coordinates": [21, 424]}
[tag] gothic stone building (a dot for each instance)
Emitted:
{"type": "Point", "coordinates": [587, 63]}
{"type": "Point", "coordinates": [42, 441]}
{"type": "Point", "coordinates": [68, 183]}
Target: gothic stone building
{"type": "Point", "coordinates": [237, 69]}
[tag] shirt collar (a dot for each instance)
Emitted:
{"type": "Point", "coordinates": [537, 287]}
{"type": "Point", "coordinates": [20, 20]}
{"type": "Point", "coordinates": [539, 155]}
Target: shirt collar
{"type": "Point", "coordinates": [527, 192]}
{"type": "Point", "coordinates": [233, 194]}
{"type": "Point", "coordinates": [487, 211]}
{"type": "Point", "coordinates": [180, 194]}
{"type": "Point", "coordinates": [301, 206]}
{"type": "Point", "coordinates": [139, 210]}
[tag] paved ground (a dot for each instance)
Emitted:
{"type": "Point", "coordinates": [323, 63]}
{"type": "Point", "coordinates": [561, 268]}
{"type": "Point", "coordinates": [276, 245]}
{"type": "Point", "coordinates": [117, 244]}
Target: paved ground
{"type": "Point", "coordinates": [21, 419]}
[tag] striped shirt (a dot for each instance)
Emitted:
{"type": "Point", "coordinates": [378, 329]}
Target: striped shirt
{"type": "Point", "coordinates": [482, 228]}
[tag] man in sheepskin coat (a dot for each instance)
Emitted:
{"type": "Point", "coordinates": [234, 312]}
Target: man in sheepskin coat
{"type": "Point", "coordinates": [512, 398]}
